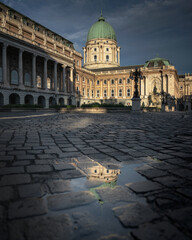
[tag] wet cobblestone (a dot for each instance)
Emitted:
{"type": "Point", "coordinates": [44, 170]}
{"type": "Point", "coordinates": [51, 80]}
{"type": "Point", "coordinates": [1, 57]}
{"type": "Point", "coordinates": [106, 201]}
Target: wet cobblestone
{"type": "Point", "coordinates": [46, 191]}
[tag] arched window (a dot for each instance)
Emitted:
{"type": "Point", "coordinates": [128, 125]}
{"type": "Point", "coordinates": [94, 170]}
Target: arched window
{"type": "Point", "coordinates": [128, 92]}
{"type": "Point", "coordinates": [27, 79]}
{"type": "Point", "coordinates": [112, 81]}
{"type": "Point", "coordinates": [120, 81]}
{"type": "Point", "coordinates": [95, 58]}
{"type": "Point", "coordinates": [14, 77]}
{"type": "Point", "coordinates": [128, 80]}
{"type": "Point", "coordinates": [97, 82]}
{"type": "Point", "coordinates": [107, 58]}
{"type": "Point", "coordinates": [1, 75]}
{"type": "Point", "coordinates": [105, 82]}
{"type": "Point", "coordinates": [120, 92]}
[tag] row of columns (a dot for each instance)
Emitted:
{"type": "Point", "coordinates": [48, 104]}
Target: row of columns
{"type": "Point", "coordinates": [34, 75]}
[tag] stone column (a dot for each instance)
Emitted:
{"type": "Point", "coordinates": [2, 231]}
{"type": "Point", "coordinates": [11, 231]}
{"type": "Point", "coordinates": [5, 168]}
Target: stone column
{"type": "Point", "coordinates": [21, 68]}
{"type": "Point", "coordinates": [71, 79]}
{"type": "Point", "coordinates": [167, 84]}
{"type": "Point", "coordinates": [142, 86]}
{"type": "Point", "coordinates": [55, 76]}
{"type": "Point", "coordinates": [87, 55]}
{"type": "Point", "coordinates": [101, 94]}
{"type": "Point", "coordinates": [108, 89]}
{"type": "Point", "coordinates": [34, 82]}
{"type": "Point", "coordinates": [119, 56]}
{"type": "Point", "coordinates": [4, 63]}
{"type": "Point", "coordinates": [84, 55]}
{"type": "Point", "coordinates": [103, 50]}
{"type": "Point", "coordinates": [45, 74]}
{"type": "Point", "coordinates": [63, 80]}
{"type": "Point", "coordinates": [116, 88]}
{"type": "Point", "coordinates": [124, 88]}
{"type": "Point", "coordinates": [161, 82]}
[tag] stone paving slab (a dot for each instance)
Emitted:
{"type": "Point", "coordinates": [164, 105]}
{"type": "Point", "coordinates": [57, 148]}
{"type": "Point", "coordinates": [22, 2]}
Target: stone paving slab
{"type": "Point", "coordinates": [42, 227]}
{"type": "Point", "coordinates": [27, 208]}
{"type": "Point", "coordinates": [116, 194]}
{"type": "Point", "coordinates": [161, 231]}
{"type": "Point", "coordinates": [69, 200]}
{"type": "Point", "coordinates": [143, 187]}
{"type": "Point", "coordinates": [135, 214]}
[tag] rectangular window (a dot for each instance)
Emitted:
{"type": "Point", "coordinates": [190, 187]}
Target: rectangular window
{"type": "Point", "coordinates": [92, 93]}
{"type": "Point", "coordinates": [87, 92]}
{"type": "Point", "coordinates": [105, 93]}
{"type": "Point", "coordinates": [128, 92]}
{"type": "Point", "coordinates": [120, 92]}
{"type": "Point", "coordinates": [97, 93]}
{"type": "Point", "coordinates": [83, 91]}
{"type": "Point", "coordinates": [112, 93]}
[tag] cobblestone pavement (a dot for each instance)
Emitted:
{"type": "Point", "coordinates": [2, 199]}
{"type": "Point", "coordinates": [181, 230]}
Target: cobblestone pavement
{"type": "Point", "coordinates": [96, 176]}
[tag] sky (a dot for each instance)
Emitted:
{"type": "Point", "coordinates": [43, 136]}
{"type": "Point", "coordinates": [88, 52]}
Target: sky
{"type": "Point", "coordinates": [144, 29]}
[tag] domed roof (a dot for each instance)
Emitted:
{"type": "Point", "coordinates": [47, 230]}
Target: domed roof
{"type": "Point", "coordinates": [157, 62]}
{"type": "Point", "coordinates": [101, 29]}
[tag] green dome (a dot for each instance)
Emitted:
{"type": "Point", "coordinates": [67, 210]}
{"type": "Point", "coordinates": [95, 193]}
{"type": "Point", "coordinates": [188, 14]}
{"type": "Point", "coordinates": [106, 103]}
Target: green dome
{"type": "Point", "coordinates": [157, 62]}
{"type": "Point", "coordinates": [101, 29]}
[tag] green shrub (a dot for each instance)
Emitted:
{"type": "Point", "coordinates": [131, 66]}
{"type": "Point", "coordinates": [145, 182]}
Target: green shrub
{"type": "Point", "coordinates": [104, 105]}
{"type": "Point", "coordinates": [71, 106]}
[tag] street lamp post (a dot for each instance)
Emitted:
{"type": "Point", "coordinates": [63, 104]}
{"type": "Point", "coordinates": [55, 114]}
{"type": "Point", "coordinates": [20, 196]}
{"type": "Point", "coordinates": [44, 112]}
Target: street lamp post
{"type": "Point", "coordinates": [136, 98]}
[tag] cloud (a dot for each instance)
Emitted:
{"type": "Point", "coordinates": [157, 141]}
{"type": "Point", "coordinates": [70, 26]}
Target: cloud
{"type": "Point", "coordinates": [143, 27]}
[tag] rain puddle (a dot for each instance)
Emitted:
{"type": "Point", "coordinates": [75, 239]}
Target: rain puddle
{"type": "Point", "coordinates": [99, 177]}
{"type": "Point", "coordinates": [104, 175]}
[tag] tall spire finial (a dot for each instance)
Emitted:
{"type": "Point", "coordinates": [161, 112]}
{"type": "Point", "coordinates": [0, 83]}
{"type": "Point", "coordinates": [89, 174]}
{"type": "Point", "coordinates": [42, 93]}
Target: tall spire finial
{"type": "Point", "coordinates": [101, 18]}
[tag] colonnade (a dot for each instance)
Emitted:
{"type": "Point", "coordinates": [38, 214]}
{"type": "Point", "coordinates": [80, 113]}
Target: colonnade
{"type": "Point", "coordinates": [34, 72]}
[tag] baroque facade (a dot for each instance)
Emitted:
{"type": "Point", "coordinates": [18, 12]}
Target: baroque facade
{"type": "Point", "coordinates": [38, 66]}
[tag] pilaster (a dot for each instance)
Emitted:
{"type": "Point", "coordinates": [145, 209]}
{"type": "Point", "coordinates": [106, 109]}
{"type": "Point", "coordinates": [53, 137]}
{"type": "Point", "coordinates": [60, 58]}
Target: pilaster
{"type": "Point", "coordinates": [55, 76]}
{"type": "Point", "coordinates": [45, 74]}
{"type": "Point", "coordinates": [4, 63]}
{"type": "Point", "coordinates": [21, 68]}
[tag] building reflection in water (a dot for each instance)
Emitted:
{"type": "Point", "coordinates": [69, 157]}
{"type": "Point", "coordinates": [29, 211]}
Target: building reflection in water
{"type": "Point", "coordinates": [96, 171]}
{"type": "Point", "coordinates": [105, 174]}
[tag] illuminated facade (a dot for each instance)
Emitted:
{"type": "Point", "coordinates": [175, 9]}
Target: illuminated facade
{"type": "Point", "coordinates": [38, 66]}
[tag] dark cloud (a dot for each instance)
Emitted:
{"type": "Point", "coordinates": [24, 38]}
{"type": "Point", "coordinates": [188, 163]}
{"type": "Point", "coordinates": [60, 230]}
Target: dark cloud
{"type": "Point", "coordinates": [144, 29]}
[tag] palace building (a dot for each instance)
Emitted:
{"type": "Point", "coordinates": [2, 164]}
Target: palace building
{"type": "Point", "coordinates": [38, 66]}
